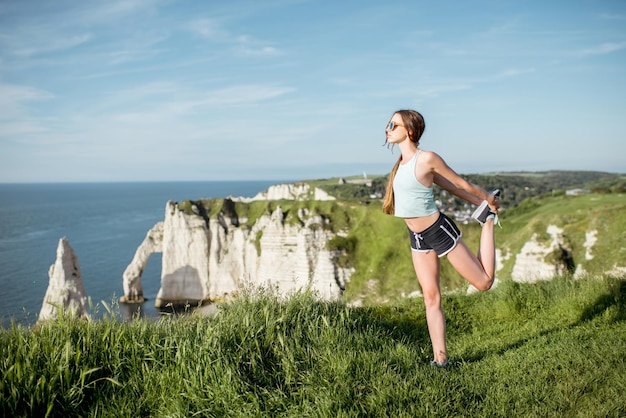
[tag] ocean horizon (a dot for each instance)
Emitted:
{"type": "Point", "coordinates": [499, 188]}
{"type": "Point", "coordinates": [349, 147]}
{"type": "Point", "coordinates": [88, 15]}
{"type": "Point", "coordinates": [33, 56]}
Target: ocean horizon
{"type": "Point", "coordinates": [104, 223]}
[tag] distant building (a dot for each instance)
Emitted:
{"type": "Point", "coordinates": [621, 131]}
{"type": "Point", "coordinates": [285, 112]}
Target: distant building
{"type": "Point", "coordinates": [366, 182]}
{"type": "Point", "coordinates": [576, 192]}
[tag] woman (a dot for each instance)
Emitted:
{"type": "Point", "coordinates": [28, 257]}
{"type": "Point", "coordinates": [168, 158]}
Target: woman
{"type": "Point", "coordinates": [410, 196]}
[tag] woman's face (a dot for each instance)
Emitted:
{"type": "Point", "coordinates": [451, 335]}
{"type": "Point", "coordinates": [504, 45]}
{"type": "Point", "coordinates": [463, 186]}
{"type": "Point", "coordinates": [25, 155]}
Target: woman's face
{"type": "Point", "coordinates": [395, 130]}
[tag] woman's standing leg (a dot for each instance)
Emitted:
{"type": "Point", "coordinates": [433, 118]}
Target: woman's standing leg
{"type": "Point", "coordinates": [427, 270]}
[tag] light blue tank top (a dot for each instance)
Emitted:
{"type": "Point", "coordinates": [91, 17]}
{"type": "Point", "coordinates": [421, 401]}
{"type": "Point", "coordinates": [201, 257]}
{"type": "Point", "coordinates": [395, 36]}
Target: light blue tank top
{"type": "Point", "coordinates": [411, 198]}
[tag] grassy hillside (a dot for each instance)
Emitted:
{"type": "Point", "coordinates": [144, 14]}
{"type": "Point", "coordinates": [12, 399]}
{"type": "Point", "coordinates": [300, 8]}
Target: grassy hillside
{"type": "Point", "coordinates": [549, 349]}
{"type": "Point", "coordinates": [382, 258]}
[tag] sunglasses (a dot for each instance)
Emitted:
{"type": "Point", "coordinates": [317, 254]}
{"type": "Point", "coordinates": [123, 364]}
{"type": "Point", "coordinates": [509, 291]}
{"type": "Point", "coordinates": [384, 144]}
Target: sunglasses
{"type": "Point", "coordinates": [392, 125]}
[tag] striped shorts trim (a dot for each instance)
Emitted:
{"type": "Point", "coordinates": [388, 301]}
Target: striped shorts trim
{"type": "Point", "coordinates": [441, 237]}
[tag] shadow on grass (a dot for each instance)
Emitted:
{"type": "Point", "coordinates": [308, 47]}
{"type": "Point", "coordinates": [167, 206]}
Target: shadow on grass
{"type": "Point", "coordinates": [616, 297]}
{"type": "Point", "coordinates": [396, 324]}
{"type": "Point", "coordinates": [481, 355]}
{"type": "Point", "coordinates": [610, 304]}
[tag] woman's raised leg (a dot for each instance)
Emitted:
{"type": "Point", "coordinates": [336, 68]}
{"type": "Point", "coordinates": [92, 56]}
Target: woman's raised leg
{"type": "Point", "coordinates": [478, 270]}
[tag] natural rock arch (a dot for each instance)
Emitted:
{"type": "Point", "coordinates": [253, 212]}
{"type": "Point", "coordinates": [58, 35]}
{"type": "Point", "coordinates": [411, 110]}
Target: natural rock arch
{"type": "Point", "coordinates": [153, 243]}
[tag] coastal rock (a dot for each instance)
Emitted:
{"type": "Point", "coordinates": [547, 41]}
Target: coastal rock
{"type": "Point", "coordinates": [153, 243]}
{"type": "Point", "coordinates": [294, 191]}
{"type": "Point", "coordinates": [276, 254]}
{"type": "Point", "coordinates": [65, 289]}
{"type": "Point", "coordinates": [207, 258]}
{"type": "Point", "coordinates": [591, 237]}
{"type": "Point", "coordinates": [533, 261]}
{"type": "Point", "coordinates": [184, 272]}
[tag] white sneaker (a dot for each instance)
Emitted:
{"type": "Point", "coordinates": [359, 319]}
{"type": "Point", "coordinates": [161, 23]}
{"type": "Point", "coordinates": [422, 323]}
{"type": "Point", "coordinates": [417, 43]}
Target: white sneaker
{"type": "Point", "coordinates": [483, 213]}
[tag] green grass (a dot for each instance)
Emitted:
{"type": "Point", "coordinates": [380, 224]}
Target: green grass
{"type": "Point", "coordinates": [552, 348]}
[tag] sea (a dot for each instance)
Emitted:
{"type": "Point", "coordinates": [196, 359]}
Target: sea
{"type": "Point", "coordinates": [104, 223]}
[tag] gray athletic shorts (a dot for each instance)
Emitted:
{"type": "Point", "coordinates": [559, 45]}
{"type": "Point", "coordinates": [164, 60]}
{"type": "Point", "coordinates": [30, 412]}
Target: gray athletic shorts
{"type": "Point", "coordinates": [440, 237]}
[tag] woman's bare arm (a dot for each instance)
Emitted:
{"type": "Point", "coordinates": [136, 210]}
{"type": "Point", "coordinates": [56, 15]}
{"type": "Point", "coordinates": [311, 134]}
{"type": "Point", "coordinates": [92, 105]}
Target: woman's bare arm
{"type": "Point", "coordinates": [447, 178]}
{"type": "Point", "coordinates": [441, 181]}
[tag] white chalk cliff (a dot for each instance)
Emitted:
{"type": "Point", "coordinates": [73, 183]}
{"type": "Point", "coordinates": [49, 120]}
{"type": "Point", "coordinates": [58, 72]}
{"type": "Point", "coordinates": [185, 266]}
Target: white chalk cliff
{"type": "Point", "coordinates": [65, 288]}
{"type": "Point", "coordinates": [534, 261]}
{"type": "Point", "coordinates": [205, 258]}
{"type": "Point", "coordinates": [295, 191]}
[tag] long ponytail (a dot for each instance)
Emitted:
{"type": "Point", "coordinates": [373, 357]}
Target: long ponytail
{"type": "Point", "coordinates": [388, 203]}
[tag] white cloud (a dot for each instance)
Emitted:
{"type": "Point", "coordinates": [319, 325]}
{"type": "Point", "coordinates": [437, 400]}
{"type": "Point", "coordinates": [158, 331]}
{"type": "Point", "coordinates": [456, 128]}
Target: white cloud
{"type": "Point", "coordinates": [20, 128]}
{"type": "Point", "coordinates": [603, 49]}
{"type": "Point", "coordinates": [110, 9]}
{"type": "Point", "coordinates": [245, 94]}
{"type": "Point", "coordinates": [255, 49]}
{"type": "Point", "coordinates": [612, 16]}
{"type": "Point", "coordinates": [105, 12]}
{"type": "Point", "coordinates": [187, 104]}
{"type": "Point", "coordinates": [212, 30]}
{"type": "Point", "coordinates": [35, 41]}
{"type": "Point", "coordinates": [513, 72]}
{"type": "Point", "coordinates": [139, 46]}
{"type": "Point", "coordinates": [129, 55]}
{"type": "Point", "coordinates": [13, 99]}
{"type": "Point", "coordinates": [435, 89]}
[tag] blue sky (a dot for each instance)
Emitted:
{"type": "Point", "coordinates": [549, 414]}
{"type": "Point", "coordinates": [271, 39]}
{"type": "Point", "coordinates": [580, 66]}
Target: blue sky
{"type": "Point", "coordinates": [138, 90]}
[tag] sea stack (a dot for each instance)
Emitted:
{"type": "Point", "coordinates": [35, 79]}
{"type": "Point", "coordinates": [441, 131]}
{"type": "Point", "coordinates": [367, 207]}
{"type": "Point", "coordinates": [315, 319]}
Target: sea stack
{"type": "Point", "coordinates": [65, 289]}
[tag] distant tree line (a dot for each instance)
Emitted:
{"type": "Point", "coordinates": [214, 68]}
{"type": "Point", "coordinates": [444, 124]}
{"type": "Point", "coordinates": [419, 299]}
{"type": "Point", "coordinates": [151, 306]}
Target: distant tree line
{"type": "Point", "coordinates": [515, 186]}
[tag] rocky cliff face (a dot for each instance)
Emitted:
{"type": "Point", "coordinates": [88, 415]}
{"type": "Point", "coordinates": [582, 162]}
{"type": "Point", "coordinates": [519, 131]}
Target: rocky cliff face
{"type": "Point", "coordinates": [543, 260]}
{"type": "Point", "coordinates": [205, 258]}
{"type": "Point", "coordinates": [533, 261]}
{"type": "Point", "coordinates": [186, 260]}
{"type": "Point", "coordinates": [293, 191]}
{"type": "Point", "coordinates": [65, 289]}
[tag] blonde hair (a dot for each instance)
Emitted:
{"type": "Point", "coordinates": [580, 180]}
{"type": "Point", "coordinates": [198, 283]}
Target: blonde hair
{"type": "Point", "coordinates": [388, 203]}
{"type": "Point", "coordinates": [415, 126]}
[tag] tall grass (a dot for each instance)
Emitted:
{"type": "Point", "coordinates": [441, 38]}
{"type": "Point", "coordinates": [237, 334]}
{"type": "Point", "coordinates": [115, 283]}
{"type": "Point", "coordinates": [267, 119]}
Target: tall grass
{"type": "Point", "coordinates": [546, 349]}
